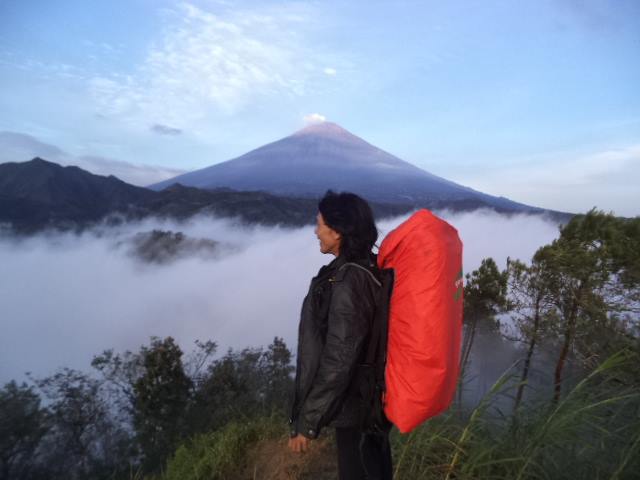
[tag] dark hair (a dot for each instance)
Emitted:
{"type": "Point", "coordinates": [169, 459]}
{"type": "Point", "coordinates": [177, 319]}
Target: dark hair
{"type": "Point", "coordinates": [350, 216]}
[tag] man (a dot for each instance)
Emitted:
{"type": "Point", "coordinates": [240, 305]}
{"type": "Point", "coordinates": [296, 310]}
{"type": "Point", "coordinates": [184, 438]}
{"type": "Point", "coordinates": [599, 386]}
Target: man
{"type": "Point", "coordinates": [335, 321]}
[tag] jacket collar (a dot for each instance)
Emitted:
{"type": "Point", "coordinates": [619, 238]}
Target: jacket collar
{"type": "Point", "coordinates": [331, 268]}
{"type": "Point", "coordinates": [337, 262]}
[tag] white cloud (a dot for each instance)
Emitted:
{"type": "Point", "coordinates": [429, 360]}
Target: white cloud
{"type": "Point", "coordinates": [487, 234]}
{"type": "Point", "coordinates": [92, 296]}
{"type": "Point", "coordinates": [330, 71]}
{"type": "Point", "coordinates": [135, 174]}
{"type": "Point", "coordinates": [313, 118]}
{"type": "Point", "coordinates": [19, 147]}
{"type": "Point", "coordinates": [208, 62]}
{"type": "Point", "coordinates": [567, 181]}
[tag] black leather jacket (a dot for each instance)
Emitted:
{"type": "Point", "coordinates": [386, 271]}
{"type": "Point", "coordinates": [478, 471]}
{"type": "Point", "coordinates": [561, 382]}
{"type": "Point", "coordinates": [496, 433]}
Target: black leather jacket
{"type": "Point", "coordinates": [335, 322]}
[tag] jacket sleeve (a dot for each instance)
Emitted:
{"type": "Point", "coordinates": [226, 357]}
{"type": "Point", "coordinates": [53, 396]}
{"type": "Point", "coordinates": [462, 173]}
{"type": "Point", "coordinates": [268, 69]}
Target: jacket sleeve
{"type": "Point", "coordinates": [350, 314]}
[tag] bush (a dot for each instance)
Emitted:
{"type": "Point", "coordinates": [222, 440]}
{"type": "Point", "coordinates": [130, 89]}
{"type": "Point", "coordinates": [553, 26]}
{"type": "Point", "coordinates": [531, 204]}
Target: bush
{"type": "Point", "coordinates": [218, 454]}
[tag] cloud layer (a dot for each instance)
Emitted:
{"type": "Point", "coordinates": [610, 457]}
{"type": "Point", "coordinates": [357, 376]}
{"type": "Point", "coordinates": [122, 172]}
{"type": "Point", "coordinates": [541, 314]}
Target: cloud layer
{"type": "Point", "coordinates": [66, 298]}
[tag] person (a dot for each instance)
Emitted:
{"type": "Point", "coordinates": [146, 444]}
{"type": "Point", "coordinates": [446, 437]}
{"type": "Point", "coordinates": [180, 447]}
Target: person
{"type": "Point", "coordinates": [335, 321]}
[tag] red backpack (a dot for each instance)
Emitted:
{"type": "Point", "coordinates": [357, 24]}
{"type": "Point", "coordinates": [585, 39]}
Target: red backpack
{"type": "Point", "coordinates": [425, 319]}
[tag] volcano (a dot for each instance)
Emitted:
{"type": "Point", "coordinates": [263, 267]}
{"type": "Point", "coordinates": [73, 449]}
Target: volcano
{"type": "Point", "coordinates": [326, 156]}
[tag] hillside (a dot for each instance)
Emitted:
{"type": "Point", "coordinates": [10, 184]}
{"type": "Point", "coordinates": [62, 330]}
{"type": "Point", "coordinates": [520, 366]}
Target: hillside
{"type": "Point", "coordinates": [39, 193]}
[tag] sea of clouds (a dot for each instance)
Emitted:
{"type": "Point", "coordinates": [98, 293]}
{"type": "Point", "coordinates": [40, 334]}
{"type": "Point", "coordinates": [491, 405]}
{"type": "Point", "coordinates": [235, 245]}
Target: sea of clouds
{"type": "Point", "coordinates": [66, 297]}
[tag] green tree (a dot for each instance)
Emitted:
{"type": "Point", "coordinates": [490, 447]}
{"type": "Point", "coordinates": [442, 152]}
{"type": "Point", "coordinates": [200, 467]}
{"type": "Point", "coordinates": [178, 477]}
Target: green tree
{"type": "Point", "coordinates": [23, 424]}
{"type": "Point", "coordinates": [83, 440]}
{"type": "Point", "coordinates": [199, 361]}
{"type": "Point", "coordinates": [278, 370]}
{"type": "Point", "coordinates": [153, 390]}
{"type": "Point", "coordinates": [530, 305]}
{"type": "Point", "coordinates": [593, 279]}
{"type": "Point", "coordinates": [162, 395]}
{"type": "Point", "coordinates": [231, 389]}
{"type": "Point", "coordinates": [120, 372]}
{"type": "Point", "coordinates": [484, 298]}
{"type": "Point", "coordinates": [248, 383]}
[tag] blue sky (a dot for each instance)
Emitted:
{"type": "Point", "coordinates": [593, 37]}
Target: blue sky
{"type": "Point", "coordinates": [536, 101]}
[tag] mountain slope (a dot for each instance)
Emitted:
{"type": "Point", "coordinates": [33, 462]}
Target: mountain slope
{"type": "Point", "coordinates": [179, 201]}
{"type": "Point", "coordinates": [324, 156]}
{"type": "Point", "coordinates": [46, 191]}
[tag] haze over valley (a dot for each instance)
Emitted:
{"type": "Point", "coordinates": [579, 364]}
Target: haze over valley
{"type": "Point", "coordinates": [67, 297]}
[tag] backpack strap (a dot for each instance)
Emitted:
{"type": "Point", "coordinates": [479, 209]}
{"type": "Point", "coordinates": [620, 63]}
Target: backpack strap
{"type": "Point", "coordinates": [373, 277]}
{"type": "Point", "coordinates": [377, 349]}
{"type": "Point", "coordinates": [369, 385]}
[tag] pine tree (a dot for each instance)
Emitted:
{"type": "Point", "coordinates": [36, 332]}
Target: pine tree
{"type": "Point", "coordinates": [161, 398]}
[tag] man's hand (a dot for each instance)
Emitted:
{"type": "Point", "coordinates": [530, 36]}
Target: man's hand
{"type": "Point", "coordinates": [299, 443]}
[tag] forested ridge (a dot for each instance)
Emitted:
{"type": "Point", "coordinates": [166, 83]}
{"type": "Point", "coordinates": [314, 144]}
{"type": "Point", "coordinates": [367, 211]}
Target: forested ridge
{"type": "Point", "coordinates": [566, 406]}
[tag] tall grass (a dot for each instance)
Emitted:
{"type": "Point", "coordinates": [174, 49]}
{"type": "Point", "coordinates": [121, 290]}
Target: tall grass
{"type": "Point", "coordinates": [592, 433]}
{"type": "Point", "coordinates": [216, 455]}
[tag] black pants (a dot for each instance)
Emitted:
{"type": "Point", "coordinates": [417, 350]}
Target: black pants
{"type": "Point", "coordinates": [363, 456]}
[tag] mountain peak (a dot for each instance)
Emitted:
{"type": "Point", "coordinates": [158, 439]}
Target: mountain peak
{"type": "Point", "coordinates": [327, 129]}
{"type": "Point", "coordinates": [41, 161]}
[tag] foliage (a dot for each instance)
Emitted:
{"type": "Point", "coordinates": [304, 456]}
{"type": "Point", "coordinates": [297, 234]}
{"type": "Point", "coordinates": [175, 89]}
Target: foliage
{"type": "Point", "coordinates": [217, 454]}
{"type": "Point", "coordinates": [165, 246]}
{"type": "Point", "coordinates": [531, 309]}
{"type": "Point", "coordinates": [84, 439]}
{"type": "Point", "coordinates": [485, 293]}
{"type": "Point", "coordinates": [591, 280]}
{"type": "Point", "coordinates": [161, 398]}
{"type": "Point", "coordinates": [23, 424]}
{"type": "Point", "coordinates": [252, 380]}
{"type": "Point", "coordinates": [594, 432]}
{"type": "Point", "coordinates": [145, 404]}
{"type": "Point", "coordinates": [484, 298]}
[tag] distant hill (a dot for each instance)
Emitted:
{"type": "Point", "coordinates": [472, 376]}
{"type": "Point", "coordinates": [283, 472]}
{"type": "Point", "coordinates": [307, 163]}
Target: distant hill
{"type": "Point", "coordinates": [326, 156]}
{"type": "Point", "coordinates": [39, 194]}
{"type": "Point", "coordinates": [179, 201]}
{"type": "Point", "coordinates": [43, 193]}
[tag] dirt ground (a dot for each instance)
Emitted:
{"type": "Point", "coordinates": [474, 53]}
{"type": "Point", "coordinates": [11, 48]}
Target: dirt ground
{"type": "Point", "coordinates": [272, 460]}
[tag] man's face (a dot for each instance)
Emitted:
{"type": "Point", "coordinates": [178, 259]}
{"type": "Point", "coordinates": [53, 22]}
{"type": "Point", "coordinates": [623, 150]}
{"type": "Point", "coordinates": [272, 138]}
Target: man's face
{"type": "Point", "coordinates": [329, 238]}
